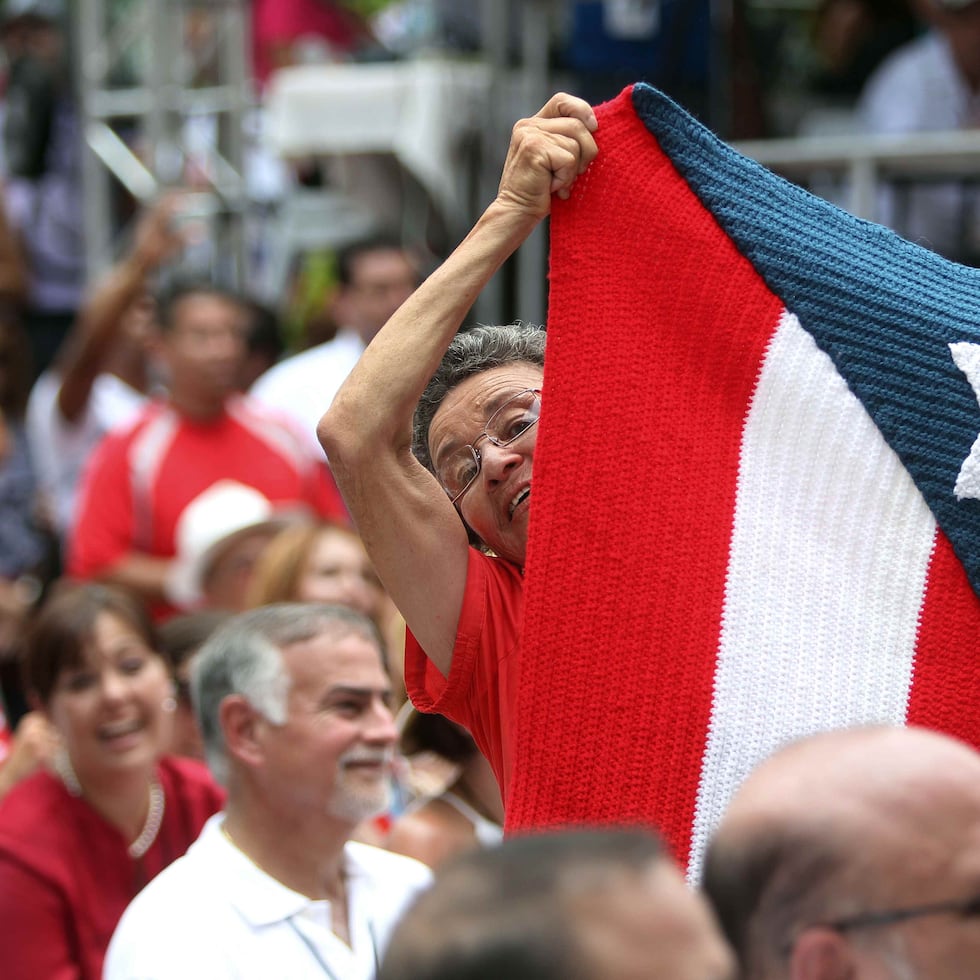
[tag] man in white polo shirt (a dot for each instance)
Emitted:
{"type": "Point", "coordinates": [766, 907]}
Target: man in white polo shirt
{"type": "Point", "coordinates": [293, 705]}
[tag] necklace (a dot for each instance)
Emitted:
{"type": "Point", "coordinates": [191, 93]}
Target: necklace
{"type": "Point", "coordinates": [66, 773]}
{"type": "Point", "coordinates": [154, 819]}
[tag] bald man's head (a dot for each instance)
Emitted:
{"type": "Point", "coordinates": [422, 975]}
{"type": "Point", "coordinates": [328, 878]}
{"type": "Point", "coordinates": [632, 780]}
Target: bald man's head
{"type": "Point", "coordinates": [843, 824]}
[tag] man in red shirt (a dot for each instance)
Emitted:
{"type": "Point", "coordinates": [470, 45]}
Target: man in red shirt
{"type": "Point", "coordinates": [143, 476]}
{"type": "Point", "coordinates": [470, 476]}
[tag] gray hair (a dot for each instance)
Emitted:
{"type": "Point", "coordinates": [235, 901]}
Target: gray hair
{"type": "Point", "coordinates": [244, 657]}
{"type": "Point", "coordinates": [472, 352]}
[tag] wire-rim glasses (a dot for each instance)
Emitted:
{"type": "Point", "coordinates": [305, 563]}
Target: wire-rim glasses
{"type": "Point", "coordinates": [512, 420]}
{"type": "Point", "coordinates": [966, 907]}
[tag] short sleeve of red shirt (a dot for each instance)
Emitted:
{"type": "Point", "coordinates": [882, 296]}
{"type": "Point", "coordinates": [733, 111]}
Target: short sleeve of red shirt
{"type": "Point", "coordinates": [481, 690]}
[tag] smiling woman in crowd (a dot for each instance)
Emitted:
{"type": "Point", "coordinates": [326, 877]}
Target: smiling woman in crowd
{"type": "Point", "coordinates": [77, 845]}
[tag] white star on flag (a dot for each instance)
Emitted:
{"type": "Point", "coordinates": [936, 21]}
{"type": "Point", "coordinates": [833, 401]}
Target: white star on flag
{"type": "Point", "coordinates": [967, 359]}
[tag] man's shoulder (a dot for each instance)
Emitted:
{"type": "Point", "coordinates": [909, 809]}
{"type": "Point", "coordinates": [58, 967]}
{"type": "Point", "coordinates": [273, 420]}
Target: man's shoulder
{"type": "Point", "coordinates": [272, 426]}
{"type": "Point", "coordinates": [143, 423]}
{"type": "Point", "coordinates": [44, 391]}
{"type": "Point", "coordinates": [186, 896]}
{"type": "Point", "coordinates": [910, 74]}
{"type": "Point", "coordinates": [114, 402]}
{"type": "Point", "coordinates": [488, 573]}
{"type": "Point", "coordinates": [929, 47]}
{"type": "Point", "coordinates": [308, 366]}
{"type": "Point", "coordinates": [44, 420]}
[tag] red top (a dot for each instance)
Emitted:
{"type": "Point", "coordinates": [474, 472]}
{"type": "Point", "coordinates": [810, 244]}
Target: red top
{"type": "Point", "coordinates": [481, 691]}
{"type": "Point", "coordinates": [279, 23]}
{"type": "Point", "coordinates": [6, 736]}
{"type": "Point", "coordinates": [143, 476]}
{"type": "Point", "coordinates": [66, 875]}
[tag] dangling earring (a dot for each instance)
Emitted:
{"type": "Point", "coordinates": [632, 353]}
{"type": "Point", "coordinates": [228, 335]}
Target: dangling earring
{"type": "Point", "coordinates": [66, 772]}
{"type": "Point", "coordinates": [169, 703]}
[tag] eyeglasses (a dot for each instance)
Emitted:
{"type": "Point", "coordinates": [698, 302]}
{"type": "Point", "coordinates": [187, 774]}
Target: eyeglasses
{"type": "Point", "coordinates": [886, 917]}
{"type": "Point", "coordinates": [965, 907]}
{"type": "Point", "coordinates": [458, 471]}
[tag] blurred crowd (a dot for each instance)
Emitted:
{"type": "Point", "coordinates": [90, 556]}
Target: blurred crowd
{"type": "Point", "coordinates": [150, 497]}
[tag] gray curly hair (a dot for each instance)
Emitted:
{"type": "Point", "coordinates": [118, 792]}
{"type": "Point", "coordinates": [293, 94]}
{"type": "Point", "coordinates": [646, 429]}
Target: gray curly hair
{"type": "Point", "coordinates": [472, 352]}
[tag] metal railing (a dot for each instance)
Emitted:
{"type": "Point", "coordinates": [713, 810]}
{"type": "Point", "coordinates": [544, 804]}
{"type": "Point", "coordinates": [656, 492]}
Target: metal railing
{"type": "Point", "coordinates": [867, 163]}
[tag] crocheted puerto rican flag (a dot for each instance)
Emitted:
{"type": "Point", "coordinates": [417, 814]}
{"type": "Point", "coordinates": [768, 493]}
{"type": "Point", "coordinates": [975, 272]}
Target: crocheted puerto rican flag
{"type": "Point", "coordinates": [755, 506]}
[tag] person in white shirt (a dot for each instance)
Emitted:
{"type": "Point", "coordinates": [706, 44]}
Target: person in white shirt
{"type": "Point", "coordinates": [375, 276]}
{"type": "Point", "coordinates": [931, 84]}
{"type": "Point", "coordinates": [293, 706]}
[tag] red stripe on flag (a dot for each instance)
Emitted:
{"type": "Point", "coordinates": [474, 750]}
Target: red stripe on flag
{"type": "Point", "coordinates": [946, 679]}
{"type": "Point", "coordinates": [657, 329]}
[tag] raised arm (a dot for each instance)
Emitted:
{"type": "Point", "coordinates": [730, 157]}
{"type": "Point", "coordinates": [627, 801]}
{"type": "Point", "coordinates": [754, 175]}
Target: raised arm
{"type": "Point", "coordinates": [13, 268]}
{"type": "Point", "coordinates": [101, 319]}
{"type": "Point", "coordinates": [411, 530]}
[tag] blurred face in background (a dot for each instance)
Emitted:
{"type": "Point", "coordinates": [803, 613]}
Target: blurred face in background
{"type": "Point", "coordinates": [381, 280]}
{"type": "Point", "coordinates": [961, 26]}
{"type": "Point", "coordinates": [229, 573]}
{"type": "Point", "coordinates": [338, 571]}
{"type": "Point", "coordinates": [204, 349]}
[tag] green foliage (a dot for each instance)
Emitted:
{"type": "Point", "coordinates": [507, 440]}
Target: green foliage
{"type": "Point", "coordinates": [312, 288]}
{"type": "Point", "coordinates": [366, 8]}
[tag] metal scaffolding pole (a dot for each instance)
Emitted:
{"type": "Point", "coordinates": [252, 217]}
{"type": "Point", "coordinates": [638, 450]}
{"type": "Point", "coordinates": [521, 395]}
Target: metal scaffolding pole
{"type": "Point", "coordinates": [532, 259]}
{"type": "Point", "coordinates": [520, 84]}
{"type": "Point", "coordinates": [489, 306]}
{"type": "Point", "coordinates": [164, 88]}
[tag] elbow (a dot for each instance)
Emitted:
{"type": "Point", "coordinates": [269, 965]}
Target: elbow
{"type": "Point", "coordinates": [333, 434]}
{"type": "Point", "coordinates": [357, 437]}
{"type": "Point", "coordinates": [341, 436]}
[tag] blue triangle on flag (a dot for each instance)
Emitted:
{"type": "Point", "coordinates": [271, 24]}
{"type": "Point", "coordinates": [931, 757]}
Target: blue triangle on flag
{"type": "Point", "coordinates": [885, 310]}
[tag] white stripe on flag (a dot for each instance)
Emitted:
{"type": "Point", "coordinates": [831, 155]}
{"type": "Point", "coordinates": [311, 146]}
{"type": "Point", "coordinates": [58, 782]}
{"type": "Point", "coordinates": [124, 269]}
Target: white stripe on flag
{"type": "Point", "coordinates": [830, 550]}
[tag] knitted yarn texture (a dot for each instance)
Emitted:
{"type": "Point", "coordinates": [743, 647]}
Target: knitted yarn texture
{"type": "Point", "coordinates": [750, 513]}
